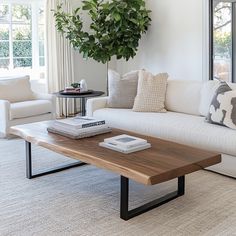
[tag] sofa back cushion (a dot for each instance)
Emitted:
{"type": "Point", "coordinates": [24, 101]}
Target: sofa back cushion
{"type": "Point", "coordinates": [207, 93]}
{"type": "Point", "coordinates": [16, 89]}
{"type": "Point", "coordinates": [151, 92]}
{"type": "Point", "coordinates": [183, 96]}
{"type": "Point", "coordinates": [122, 89]}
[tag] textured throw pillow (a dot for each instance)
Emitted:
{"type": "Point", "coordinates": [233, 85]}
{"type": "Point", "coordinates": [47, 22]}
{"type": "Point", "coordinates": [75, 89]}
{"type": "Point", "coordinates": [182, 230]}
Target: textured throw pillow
{"type": "Point", "coordinates": [223, 107]}
{"type": "Point", "coordinates": [151, 92]}
{"type": "Point", "coordinates": [122, 89]}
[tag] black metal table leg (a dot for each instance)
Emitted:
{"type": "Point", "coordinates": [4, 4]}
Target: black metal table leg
{"type": "Point", "coordinates": [29, 170]}
{"type": "Point", "coordinates": [83, 108]}
{"type": "Point", "coordinates": [127, 214]}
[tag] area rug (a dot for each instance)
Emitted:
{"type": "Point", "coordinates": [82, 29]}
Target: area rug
{"type": "Point", "coordinates": [85, 201]}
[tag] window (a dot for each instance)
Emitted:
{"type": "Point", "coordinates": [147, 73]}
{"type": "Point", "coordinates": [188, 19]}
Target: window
{"type": "Point", "coordinates": [22, 37]}
{"type": "Point", "coordinates": [223, 39]}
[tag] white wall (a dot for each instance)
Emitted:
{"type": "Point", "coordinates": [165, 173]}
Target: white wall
{"type": "Point", "coordinates": [174, 42]}
{"type": "Point", "coordinates": [93, 72]}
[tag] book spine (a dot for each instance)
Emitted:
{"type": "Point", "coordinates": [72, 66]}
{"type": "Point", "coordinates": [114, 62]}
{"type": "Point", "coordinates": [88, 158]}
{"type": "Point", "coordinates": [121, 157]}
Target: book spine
{"type": "Point", "coordinates": [93, 124]}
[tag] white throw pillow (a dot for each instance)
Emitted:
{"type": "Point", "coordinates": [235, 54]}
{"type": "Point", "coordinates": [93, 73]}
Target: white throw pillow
{"type": "Point", "coordinates": [16, 89]}
{"type": "Point", "coordinates": [122, 89]}
{"type": "Point", "coordinates": [151, 92]}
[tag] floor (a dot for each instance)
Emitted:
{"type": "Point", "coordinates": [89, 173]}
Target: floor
{"type": "Point", "coordinates": [85, 201]}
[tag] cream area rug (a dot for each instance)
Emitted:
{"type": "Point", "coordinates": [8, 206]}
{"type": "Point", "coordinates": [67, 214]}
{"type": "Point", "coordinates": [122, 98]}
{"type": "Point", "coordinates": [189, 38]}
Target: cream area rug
{"type": "Point", "coordinates": [85, 201]}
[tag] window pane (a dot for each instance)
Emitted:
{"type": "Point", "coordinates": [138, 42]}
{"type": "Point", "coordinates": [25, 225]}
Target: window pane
{"type": "Point", "coordinates": [22, 62]}
{"type": "Point", "coordinates": [41, 48]}
{"type": "Point", "coordinates": [41, 61]}
{"type": "Point", "coordinates": [41, 16]}
{"type": "Point", "coordinates": [4, 32]}
{"type": "Point", "coordinates": [41, 32]}
{"type": "Point", "coordinates": [21, 32]}
{"type": "Point", "coordinates": [22, 49]}
{"type": "Point", "coordinates": [4, 13]}
{"type": "Point", "coordinates": [223, 41]}
{"type": "Point", "coordinates": [4, 49]}
{"type": "Point", "coordinates": [21, 13]}
{"type": "Point", "coordinates": [4, 63]}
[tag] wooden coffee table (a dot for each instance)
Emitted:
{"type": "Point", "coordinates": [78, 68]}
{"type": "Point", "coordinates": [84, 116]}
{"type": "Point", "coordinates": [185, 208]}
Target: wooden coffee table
{"type": "Point", "coordinates": [164, 161]}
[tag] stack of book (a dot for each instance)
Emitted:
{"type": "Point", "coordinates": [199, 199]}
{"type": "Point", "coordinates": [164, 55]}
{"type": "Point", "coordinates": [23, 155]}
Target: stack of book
{"type": "Point", "coordinates": [79, 127]}
{"type": "Point", "coordinates": [125, 144]}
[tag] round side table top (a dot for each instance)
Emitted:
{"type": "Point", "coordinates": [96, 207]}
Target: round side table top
{"type": "Point", "coordinates": [93, 94]}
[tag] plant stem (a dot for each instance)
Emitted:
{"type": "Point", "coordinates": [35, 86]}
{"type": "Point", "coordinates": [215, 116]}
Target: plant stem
{"type": "Point", "coordinates": [107, 78]}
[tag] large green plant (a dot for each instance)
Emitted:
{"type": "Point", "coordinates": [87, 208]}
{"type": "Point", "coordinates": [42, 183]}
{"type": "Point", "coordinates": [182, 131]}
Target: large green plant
{"type": "Point", "coordinates": [115, 30]}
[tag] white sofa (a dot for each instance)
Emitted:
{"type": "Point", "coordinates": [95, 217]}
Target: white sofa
{"type": "Point", "coordinates": [187, 103]}
{"type": "Point", "coordinates": [20, 105]}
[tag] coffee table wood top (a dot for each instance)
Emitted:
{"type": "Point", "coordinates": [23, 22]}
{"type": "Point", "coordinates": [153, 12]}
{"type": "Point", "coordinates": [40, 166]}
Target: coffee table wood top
{"type": "Point", "coordinates": [162, 162]}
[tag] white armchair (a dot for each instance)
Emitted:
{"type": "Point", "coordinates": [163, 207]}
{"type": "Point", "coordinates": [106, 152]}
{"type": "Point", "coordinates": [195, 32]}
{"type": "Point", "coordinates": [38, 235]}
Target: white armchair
{"type": "Point", "coordinates": [20, 105]}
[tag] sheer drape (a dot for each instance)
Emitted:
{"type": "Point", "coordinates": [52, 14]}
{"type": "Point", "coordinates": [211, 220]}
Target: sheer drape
{"type": "Point", "coordinates": [60, 66]}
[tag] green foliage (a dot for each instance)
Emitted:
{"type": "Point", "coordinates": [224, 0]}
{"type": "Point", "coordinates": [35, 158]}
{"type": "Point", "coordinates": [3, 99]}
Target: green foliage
{"type": "Point", "coordinates": [4, 49]}
{"type": "Point", "coordinates": [22, 49]}
{"type": "Point", "coordinates": [115, 30]}
{"type": "Point", "coordinates": [4, 34]}
{"type": "Point", "coordinates": [22, 62]}
{"type": "Point", "coordinates": [21, 12]}
{"type": "Point", "coordinates": [75, 85]}
{"type": "Point", "coordinates": [223, 44]}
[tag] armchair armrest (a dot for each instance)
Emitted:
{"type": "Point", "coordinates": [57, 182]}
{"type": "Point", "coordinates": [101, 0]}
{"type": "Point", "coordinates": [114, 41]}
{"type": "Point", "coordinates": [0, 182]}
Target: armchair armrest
{"type": "Point", "coordinates": [43, 96]}
{"type": "Point", "coordinates": [4, 117]}
{"type": "Point", "coordinates": [94, 104]}
{"type": "Point", "coordinates": [50, 97]}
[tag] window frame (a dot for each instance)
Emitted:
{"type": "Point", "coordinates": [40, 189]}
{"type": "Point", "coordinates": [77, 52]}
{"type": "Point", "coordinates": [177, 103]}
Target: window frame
{"type": "Point", "coordinates": [211, 40]}
{"type": "Point", "coordinates": [35, 6]}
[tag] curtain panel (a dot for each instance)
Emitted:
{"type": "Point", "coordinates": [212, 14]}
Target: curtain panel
{"type": "Point", "coordinates": [60, 62]}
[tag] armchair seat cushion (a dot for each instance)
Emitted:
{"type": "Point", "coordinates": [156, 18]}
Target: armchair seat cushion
{"type": "Point", "coordinates": [30, 108]}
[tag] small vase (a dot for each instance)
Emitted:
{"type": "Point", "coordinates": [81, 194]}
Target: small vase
{"type": "Point", "coordinates": [83, 85]}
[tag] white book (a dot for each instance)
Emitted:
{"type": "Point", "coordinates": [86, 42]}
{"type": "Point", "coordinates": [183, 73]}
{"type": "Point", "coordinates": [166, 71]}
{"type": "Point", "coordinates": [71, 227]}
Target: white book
{"type": "Point", "coordinates": [74, 131]}
{"type": "Point", "coordinates": [125, 141]}
{"type": "Point", "coordinates": [124, 150]}
{"type": "Point", "coordinates": [79, 122]}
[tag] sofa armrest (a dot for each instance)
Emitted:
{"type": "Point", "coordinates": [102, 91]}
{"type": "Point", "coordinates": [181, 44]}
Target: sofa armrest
{"type": "Point", "coordinates": [50, 97]}
{"type": "Point", "coordinates": [4, 117]}
{"type": "Point", "coordinates": [94, 104]}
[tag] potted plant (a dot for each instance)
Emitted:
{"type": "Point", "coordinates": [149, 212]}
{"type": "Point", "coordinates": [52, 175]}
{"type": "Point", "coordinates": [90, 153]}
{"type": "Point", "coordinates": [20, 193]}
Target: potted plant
{"type": "Point", "coordinates": [115, 29]}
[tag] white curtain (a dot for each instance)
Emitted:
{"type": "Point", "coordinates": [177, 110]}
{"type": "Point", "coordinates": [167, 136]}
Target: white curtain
{"type": "Point", "coordinates": [60, 66]}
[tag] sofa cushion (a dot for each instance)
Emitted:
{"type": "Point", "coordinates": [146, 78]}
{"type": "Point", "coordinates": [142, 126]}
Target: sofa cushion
{"type": "Point", "coordinates": [223, 107]}
{"type": "Point", "coordinates": [16, 89]}
{"type": "Point", "coordinates": [183, 96]}
{"type": "Point", "coordinates": [178, 127]}
{"type": "Point", "coordinates": [122, 89]}
{"type": "Point", "coordinates": [151, 92]}
{"type": "Point", "coordinates": [30, 108]}
{"type": "Point", "coordinates": [207, 93]}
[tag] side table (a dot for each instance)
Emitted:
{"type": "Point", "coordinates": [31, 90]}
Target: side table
{"type": "Point", "coordinates": [82, 97]}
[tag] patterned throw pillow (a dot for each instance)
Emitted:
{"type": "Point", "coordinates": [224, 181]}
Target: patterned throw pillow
{"type": "Point", "coordinates": [223, 107]}
{"type": "Point", "coordinates": [122, 89]}
{"type": "Point", "coordinates": [151, 92]}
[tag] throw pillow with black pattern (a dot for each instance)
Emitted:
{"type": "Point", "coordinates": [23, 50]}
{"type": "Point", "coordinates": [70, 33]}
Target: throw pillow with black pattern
{"type": "Point", "coordinates": [222, 110]}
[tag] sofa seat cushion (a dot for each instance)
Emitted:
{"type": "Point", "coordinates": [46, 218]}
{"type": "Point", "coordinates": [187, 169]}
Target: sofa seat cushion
{"type": "Point", "coordinates": [178, 127]}
{"type": "Point", "coordinates": [30, 108]}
